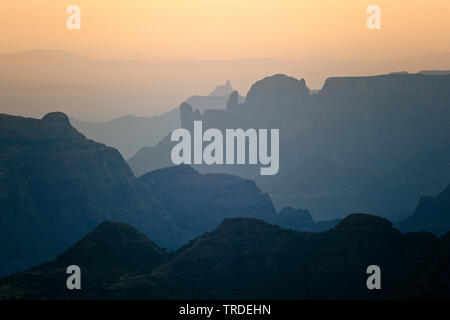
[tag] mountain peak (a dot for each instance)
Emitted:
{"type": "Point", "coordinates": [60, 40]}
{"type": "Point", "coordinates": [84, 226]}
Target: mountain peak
{"type": "Point", "coordinates": [295, 218]}
{"type": "Point", "coordinates": [57, 117]}
{"type": "Point", "coordinates": [277, 89]}
{"type": "Point", "coordinates": [431, 214]}
{"type": "Point", "coordinates": [114, 244]}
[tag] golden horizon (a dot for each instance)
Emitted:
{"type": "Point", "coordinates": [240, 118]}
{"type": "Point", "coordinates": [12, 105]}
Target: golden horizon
{"type": "Point", "coordinates": [228, 30]}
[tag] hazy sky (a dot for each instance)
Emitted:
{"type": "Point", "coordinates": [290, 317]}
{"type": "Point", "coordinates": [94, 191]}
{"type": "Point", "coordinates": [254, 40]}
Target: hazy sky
{"type": "Point", "coordinates": [227, 29]}
{"type": "Point", "coordinates": [187, 47]}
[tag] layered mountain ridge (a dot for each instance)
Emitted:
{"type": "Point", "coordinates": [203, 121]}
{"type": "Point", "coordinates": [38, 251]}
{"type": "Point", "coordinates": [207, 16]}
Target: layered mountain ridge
{"type": "Point", "coordinates": [371, 144]}
{"type": "Point", "coordinates": [57, 185]}
{"type": "Point", "coordinates": [246, 258]}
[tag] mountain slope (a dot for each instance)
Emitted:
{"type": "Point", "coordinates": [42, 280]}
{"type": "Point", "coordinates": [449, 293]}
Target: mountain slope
{"type": "Point", "coordinates": [431, 214]}
{"type": "Point", "coordinates": [128, 134]}
{"type": "Point", "coordinates": [56, 186]}
{"type": "Point", "coordinates": [104, 255]}
{"type": "Point", "coordinates": [250, 259]}
{"type": "Point", "coordinates": [199, 202]}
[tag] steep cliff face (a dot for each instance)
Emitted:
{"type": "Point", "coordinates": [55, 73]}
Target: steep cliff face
{"type": "Point", "coordinates": [371, 144]}
{"type": "Point", "coordinates": [395, 114]}
{"type": "Point", "coordinates": [56, 185]}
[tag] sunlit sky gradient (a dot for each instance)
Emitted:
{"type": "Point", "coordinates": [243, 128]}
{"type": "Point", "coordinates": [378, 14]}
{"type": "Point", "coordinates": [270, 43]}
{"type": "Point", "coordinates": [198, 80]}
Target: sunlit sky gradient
{"type": "Point", "coordinates": [167, 50]}
{"type": "Point", "coordinates": [227, 29]}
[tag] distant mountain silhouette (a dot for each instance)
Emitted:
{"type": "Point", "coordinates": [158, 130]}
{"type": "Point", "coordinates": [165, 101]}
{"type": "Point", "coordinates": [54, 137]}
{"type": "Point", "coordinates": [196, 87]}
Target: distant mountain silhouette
{"type": "Point", "coordinates": [248, 259]}
{"type": "Point", "coordinates": [431, 214]}
{"type": "Point", "coordinates": [128, 134]}
{"type": "Point", "coordinates": [435, 72]}
{"type": "Point", "coordinates": [343, 149]}
{"type": "Point", "coordinates": [217, 99]}
{"type": "Point", "coordinates": [222, 90]}
{"type": "Point", "coordinates": [298, 219]}
{"type": "Point", "coordinates": [36, 82]}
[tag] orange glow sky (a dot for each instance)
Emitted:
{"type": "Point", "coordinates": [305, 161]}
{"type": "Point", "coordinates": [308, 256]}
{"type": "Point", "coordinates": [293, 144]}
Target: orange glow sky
{"type": "Point", "coordinates": [167, 50]}
{"type": "Point", "coordinates": [228, 29]}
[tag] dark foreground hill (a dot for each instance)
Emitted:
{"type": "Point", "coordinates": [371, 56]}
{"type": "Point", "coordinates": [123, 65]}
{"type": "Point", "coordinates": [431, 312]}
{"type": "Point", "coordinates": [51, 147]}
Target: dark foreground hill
{"type": "Point", "coordinates": [248, 259]}
{"type": "Point", "coordinates": [110, 251]}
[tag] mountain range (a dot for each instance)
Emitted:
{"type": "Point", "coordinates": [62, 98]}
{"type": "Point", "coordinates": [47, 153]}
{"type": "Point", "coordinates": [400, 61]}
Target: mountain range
{"type": "Point", "coordinates": [129, 134]}
{"type": "Point", "coordinates": [361, 144]}
{"type": "Point", "coordinates": [36, 82]}
{"type": "Point", "coordinates": [372, 144]}
{"type": "Point", "coordinates": [246, 258]}
{"type": "Point", "coordinates": [57, 185]}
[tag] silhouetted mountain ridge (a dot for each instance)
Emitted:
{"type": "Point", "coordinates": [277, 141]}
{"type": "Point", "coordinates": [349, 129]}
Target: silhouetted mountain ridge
{"type": "Point", "coordinates": [431, 214]}
{"type": "Point", "coordinates": [57, 185]}
{"type": "Point", "coordinates": [198, 202]}
{"type": "Point", "coordinates": [245, 258]}
{"type": "Point", "coordinates": [365, 144]}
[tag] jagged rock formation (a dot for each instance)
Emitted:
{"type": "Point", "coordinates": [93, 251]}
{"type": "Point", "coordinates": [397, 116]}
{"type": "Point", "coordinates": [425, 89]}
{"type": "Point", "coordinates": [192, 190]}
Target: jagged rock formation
{"type": "Point", "coordinates": [373, 144]}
